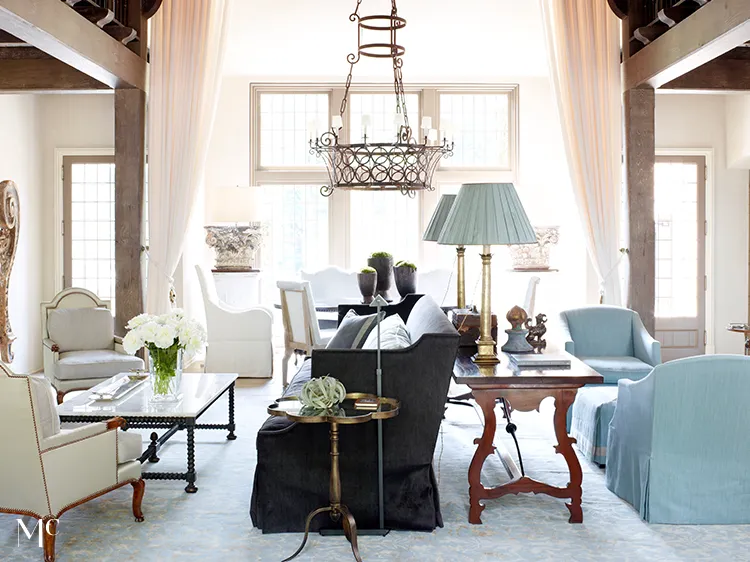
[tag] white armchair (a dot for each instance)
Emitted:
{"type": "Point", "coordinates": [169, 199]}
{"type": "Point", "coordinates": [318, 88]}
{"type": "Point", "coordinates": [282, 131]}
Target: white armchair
{"type": "Point", "coordinates": [440, 284]}
{"type": "Point", "coordinates": [332, 286]}
{"type": "Point", "coordinates": [239, 341]}
{"type": "Point", "coordinates": [48, 471]}
{"type": "Point", "coordinates": [79, 343]}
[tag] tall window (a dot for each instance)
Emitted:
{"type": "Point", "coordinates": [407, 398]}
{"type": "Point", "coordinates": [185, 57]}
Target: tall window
{"type": "Point", "coordinates": [308, 230]}
{"type": "Point", "coordinates": [89, 224]}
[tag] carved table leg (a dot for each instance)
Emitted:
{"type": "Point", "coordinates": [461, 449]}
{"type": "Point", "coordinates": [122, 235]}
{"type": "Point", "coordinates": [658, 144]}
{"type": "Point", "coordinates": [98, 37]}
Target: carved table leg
{"type": "Point", "coordinates": [485, 448]}
{"type": "Point", "coordinates": [231, 425]}
{"type": "Point", "coordinates": [190, 475]}
{"type": "Point", "coordinates": [563, 401]}
{"type": "Point", "coordinates": [154, 446]}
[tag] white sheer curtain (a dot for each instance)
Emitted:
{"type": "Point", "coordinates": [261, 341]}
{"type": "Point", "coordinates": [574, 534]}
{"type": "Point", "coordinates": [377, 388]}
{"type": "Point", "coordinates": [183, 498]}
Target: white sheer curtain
{"type": "Point", "coordinates": [187, 51]}
{"type": "Point", "coordinates": [583, 47]}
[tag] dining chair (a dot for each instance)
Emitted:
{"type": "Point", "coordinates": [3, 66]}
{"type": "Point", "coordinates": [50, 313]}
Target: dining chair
{"type": "Point", "coordinates": [301, 331]}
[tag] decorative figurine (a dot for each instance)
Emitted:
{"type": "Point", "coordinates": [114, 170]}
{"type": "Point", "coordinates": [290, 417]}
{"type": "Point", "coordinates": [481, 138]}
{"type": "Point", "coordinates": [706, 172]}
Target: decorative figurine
{"type": "Point", "coordinates": [536, 333]}
{"type": "Point", "coordinates": [517, 342]}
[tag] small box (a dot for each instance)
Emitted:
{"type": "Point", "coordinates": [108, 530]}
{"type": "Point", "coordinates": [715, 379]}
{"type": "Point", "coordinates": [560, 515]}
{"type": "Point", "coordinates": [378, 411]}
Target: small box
{"type": "Point", "coordinates": [467, 324]}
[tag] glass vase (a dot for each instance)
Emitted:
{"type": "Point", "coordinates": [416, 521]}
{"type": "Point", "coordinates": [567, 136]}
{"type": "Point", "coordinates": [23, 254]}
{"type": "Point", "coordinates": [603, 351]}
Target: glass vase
{"type": "Point", "coordinates": [165, 370]}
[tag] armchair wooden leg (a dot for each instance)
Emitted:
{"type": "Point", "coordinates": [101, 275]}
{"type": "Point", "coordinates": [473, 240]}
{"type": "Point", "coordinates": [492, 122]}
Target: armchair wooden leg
{"type": "Point", "coordinates": [60, 396]}
{"type": "Point", "coordinates": [138, 489]}
{"type": "Point", "coordinates": [49, 532]}
{"type": "Point", "coordinates": [285, 366]}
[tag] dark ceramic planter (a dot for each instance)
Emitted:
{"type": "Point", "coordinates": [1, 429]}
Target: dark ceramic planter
{"type": "Point", "coordinates": [367, 285]}
{"type": "Point", "coordinates": [384, 267]}
{"type": "Point", "coordinates": [406, 280]}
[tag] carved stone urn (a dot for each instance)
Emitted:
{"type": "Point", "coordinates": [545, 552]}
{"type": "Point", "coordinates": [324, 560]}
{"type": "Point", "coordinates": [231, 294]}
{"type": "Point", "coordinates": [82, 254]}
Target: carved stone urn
{"type": "Point", "coordinates": [235, 245]}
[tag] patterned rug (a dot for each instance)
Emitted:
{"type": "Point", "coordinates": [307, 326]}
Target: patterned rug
{"type": "Point", "coordinates": [214, 524]}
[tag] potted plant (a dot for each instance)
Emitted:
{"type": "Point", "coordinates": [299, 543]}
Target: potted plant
{"type": "Point", "coordinates": [405, 274]}
{"type": "Point", "coordinates": [367, 279]}
{"type": "Point", "coordinates": [382, 262]}
{"type": "Point", "coordinates": [165, 337]}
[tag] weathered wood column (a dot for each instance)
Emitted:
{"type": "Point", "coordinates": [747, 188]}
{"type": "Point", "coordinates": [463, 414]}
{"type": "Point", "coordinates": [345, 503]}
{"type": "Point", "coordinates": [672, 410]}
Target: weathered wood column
{"type": "Point", "coordinates": [130, 159]}
{"type": "Point", "coordinates": [640, 157]}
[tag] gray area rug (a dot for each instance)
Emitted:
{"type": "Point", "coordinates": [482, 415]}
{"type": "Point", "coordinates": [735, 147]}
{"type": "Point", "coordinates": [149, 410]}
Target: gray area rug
{"type": "Point", "coordinates": [214, 524]}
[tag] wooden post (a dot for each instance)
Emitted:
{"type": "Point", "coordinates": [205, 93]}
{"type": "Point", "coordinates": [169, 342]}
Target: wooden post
{"type": "Point", "coordinates": [640, 157]}
{"type": "Point", "coordinates": [130, 159]}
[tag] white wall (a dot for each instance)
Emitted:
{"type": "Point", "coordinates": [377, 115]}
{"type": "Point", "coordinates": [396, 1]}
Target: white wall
{"type": "Point", "coordinates": [738, 131]}
{"type": "Point", "coordinates": [67, 122]}
{"type": "Point", "coordinates": [698, 121]}
{"type": "Point", "coordinates": [19, 162]}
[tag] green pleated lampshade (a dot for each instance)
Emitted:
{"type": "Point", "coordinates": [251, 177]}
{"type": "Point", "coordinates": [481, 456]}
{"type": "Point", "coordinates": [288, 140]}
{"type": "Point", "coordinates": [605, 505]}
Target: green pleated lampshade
{"type": "Point", "coordinates": [487, 213]}
{"type": "Point", "coordinates": [437, 222]}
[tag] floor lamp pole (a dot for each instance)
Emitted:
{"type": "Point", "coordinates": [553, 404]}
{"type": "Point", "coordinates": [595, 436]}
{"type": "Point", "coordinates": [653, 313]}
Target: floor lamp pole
{"type": "Point", "coordinates": [378, 302]}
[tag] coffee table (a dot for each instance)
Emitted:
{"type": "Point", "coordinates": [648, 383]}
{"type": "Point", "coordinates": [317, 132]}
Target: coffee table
{"type": "Point", "coordinates": [199, 392]}
{"type": "Point", "coordinates": [524, 390]}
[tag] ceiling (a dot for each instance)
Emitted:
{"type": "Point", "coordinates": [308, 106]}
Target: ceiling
{"type": "Point", "coordinates": [477, 40]}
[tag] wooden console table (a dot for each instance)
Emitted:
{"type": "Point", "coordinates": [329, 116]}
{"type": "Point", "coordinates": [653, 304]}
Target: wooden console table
{"type": "Point", "coordinates": [524, 390]}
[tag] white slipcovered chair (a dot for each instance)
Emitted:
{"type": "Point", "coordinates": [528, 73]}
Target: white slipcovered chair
{"type": "Point", "coordinates": [239, 341]}
{"type": "Point", "coordinates": [301, 331]}
{"type": "Point", "coordinates": [47, 470]}
{"type": "Point", "coordinates": [80, 347]}
{"type": "Point", "coordinates": [440, 284]}
{"type": "Point", "coordinates": [332, 286]}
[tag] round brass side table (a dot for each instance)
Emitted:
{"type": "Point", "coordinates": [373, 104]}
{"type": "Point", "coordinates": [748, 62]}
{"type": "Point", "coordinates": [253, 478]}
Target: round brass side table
{"type": "Point", "coordinates": [356, 408]}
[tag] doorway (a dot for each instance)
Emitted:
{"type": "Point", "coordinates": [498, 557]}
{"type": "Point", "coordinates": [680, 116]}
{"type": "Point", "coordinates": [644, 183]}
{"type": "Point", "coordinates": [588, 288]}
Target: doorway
{"type": "Point", "coordinates": [681, 228]}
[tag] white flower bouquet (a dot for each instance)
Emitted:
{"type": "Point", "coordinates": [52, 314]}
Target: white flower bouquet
{"type": "Point", "coordinates": [165, 337]}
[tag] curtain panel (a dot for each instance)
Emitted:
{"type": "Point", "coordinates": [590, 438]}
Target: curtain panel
{"type": "Point", "coordinates": [583, 48]}
{"type": "Point", "coordinates": [188, 40]}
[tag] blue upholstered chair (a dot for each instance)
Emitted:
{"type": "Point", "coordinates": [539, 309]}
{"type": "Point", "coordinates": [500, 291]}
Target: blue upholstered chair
{"type": "Point", "coordinates": [613, 341]}
{"type": "Point", "coordinates": [677, 446]}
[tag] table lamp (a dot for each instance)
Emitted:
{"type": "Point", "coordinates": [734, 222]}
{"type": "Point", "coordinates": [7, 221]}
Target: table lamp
{"type": "Point", "coordinates": [486, 214]}
{"type": "Point", "coordinates": [434, 228]}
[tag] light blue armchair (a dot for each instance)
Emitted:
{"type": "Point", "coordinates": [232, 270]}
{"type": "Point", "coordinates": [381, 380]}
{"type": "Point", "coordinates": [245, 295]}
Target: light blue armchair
{"type": "Point", "coordinates": [613, 341]}
{"type": "Point", "coordinates": [677, 446]}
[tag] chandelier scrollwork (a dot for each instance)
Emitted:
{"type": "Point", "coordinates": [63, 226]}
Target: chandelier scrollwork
{"type": "Point", "coordinates": [405, 165]}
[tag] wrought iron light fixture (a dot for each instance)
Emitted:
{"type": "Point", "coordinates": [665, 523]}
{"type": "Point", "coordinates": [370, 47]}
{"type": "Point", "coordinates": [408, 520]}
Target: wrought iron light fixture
{"type": "Point", "coordinates": [404, 165]}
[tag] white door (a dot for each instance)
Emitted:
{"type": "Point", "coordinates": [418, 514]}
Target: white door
{"type": "Point", "coordinates": [680, 217]}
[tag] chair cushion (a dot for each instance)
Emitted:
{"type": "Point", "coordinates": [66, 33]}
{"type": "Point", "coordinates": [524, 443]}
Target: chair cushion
{"type": "Point", "coordinates": [95, 364]}
{"type": "Point", "coordinates": [45, 406]}
{"type": "Point", "coordinates": [615, 368]}
{"type": "Point", "coordinates": [393, 335]}
{"type": "Point", "coordinates": [353, 331]}
{"type": "Point", "coordinates": [81, 329]}
{"type": "Point", "coordinates": [129, 446]}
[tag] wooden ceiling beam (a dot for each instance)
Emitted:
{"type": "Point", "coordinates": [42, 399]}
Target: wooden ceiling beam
{"type": "Point", "coordinates": [56, 29]}
{"type": "Point", "coordinates": [718, 27]}
{"type": "Point", "coordinates": [43, 74]}
{"type": "Point", "coordinates": [722, 74]}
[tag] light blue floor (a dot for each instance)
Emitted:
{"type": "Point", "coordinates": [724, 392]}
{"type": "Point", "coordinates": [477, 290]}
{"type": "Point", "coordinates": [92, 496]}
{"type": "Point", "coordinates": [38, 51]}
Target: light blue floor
{"type": "Point", "coordinates": [214, 525]}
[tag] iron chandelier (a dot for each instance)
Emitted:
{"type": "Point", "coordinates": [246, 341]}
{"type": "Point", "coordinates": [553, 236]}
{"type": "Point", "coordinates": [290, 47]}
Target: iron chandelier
{"type": "Point", "coordinates": [404, 165]}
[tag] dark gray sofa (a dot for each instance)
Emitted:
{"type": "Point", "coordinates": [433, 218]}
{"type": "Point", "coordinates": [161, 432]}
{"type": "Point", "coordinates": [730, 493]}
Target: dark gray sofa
{"type": "Point", "coordinates": [291, 477]}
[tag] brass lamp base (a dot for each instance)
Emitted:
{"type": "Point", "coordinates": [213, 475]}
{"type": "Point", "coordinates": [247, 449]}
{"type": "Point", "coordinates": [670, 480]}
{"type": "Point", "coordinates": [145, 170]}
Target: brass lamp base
{"type": "Point", "coordinates": [485, 344]}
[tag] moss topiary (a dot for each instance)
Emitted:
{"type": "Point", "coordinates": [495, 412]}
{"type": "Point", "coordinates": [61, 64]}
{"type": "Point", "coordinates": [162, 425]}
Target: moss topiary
{"type": "Point", "coordinates": [367, 270]}
{"type": "Point", "coordinates": [380, 255]}
{"type": "Point", "coordinates": [410, 265]}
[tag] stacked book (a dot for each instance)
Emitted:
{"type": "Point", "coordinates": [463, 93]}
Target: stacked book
{"type": "Point", "coordinates": [539, 360]}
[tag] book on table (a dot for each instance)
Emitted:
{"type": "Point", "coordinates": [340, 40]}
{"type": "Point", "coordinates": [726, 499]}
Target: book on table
{"type": "Point", "coordinates": [540, 360]}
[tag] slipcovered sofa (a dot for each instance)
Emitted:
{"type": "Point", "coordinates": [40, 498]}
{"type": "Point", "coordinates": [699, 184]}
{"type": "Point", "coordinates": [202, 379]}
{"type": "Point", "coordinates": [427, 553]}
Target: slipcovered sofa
{"type": "Point", "coordinates": [614, 342]}
{"type": "Point", "coordinates": [292, 473]}
{"type": "Point", "coordinates": [677, 447]}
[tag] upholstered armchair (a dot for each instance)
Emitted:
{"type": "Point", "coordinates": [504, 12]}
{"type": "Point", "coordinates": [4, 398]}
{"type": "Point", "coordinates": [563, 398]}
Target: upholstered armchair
{"type": "Point", "coordinates": [301, 331]}
{"type": "Point", "coordinates": [239, 341]}
{"type": "Point", "coordinates": [79, 344]}
{"type": "Point", "coordinates": [611, 340]}
{"type": "Point", "coordinates": [47, 470]}
{"type": "Point", "coordinates": [440, 284]}
{"type": "Point", "coordinates": [677, 448]}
